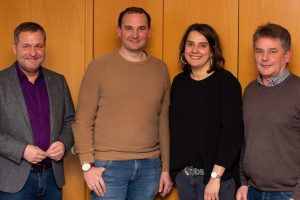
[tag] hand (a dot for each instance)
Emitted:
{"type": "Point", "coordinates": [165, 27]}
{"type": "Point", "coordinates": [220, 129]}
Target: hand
{"type": "Point", "coordinates": [34, 154]}
{"type": "Point", "coordinates": [212, 189]}
{"type": "Point", "coordinates": [93, 179]}
{"type": "Point", "coordinates": [242, 193]}
{"type": "Point", "coordinates": [165, 184]}
{"type": "Point", "coordinates": [56, 151]}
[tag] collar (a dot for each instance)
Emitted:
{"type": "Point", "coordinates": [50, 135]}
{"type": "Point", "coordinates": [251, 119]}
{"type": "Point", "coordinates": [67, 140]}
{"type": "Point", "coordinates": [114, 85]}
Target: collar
{"type": "Point", "coordinates": [22, 75]}
{"type": "Point", "coordinates": [280, 78]}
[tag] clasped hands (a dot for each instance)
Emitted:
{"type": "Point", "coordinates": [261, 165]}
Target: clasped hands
{"type": "Point", "coordinates": [34, 154]}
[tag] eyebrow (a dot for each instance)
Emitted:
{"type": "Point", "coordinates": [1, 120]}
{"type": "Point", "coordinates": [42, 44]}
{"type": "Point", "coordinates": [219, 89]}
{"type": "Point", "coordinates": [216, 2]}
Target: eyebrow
{"type": "Point", "coordinates": [274, 48]}
{"type": "Point", "coordinates": [129, 26]}
{"type": "Point", "coordinates": [197, 42]}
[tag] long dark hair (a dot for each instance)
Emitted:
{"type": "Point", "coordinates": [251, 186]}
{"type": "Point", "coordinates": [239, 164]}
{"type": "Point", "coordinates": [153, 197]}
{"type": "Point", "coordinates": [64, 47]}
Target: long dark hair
{"type": "Point", "coordinates": [214, 44]}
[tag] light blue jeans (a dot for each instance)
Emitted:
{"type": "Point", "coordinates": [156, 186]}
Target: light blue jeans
{"type": "Point", "coordinates": [255, 194]}
{"type": "Point", "coordinates": [39, 186]}
{"type": "Point", "coordinates": [130, 179]}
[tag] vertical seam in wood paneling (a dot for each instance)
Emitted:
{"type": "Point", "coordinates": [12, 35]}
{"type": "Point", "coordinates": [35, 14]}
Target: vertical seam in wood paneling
{"type": "Point", "coordinates": [238, 42]}
{"type": "Point", "coordinates": [163, 30]}
{"type": "Point", "coordinates": [89, 32]}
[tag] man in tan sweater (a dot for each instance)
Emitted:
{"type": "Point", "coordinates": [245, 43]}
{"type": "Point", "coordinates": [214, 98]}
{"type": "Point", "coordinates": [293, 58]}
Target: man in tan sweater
{"type": "Point", "coordinates": [121, 128]}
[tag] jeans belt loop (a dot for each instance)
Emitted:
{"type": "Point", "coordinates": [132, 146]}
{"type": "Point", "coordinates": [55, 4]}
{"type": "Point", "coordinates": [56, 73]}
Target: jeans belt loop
{"type": "Point", "coordinates": [191, 171]}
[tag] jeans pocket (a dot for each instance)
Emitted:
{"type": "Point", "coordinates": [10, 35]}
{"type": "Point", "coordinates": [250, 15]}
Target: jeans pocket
{"type": "Point", "coordinates": [156, 162]}
{"type": "Point", "coordinates": [286, 195]}
{"type": "Point", "coordinates": [103, 163]}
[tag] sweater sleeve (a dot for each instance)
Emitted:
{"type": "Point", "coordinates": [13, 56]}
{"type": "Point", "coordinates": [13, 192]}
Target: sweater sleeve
{"type": "Point", "coordinates": [164, 137]}
{"type": "Point", "coordinates": [243, 178]}
{"type": "Point", "coordinates": [231, 120]}
{"type": "Point", "coordinates": [85, 114]}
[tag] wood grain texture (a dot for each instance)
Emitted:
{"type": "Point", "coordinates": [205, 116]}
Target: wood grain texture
{"type": "Point", "coordinates": [222, 15]}
{"type": "Point", "coordinates": [65, 22]}
{"type": "Point", "coordinates": [106, 22]}
{"type": "Point", "coordinates": [256, 12]}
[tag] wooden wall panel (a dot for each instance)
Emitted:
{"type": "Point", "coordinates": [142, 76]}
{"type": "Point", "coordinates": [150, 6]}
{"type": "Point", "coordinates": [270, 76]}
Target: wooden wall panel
{"type": "Point", "coordinates": [256, 12]}
{"type": "Point", "coordinates": [222, 15]}
{"type": "Point", "coordinates": [106, 22]}
{"type": "Point", "coordinates": [69, 46]}
{"type": "Point", "coordinates": [78, 30]}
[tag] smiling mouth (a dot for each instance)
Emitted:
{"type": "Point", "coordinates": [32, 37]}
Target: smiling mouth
{"type": "Point", "coordinates": [195, 57]}
{"type": "Point", "coordinates": [265, 66]}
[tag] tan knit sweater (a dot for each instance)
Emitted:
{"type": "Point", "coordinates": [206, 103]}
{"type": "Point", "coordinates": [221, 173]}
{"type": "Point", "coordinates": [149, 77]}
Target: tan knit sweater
{"type": "Point", "coordinates": [122, 110]}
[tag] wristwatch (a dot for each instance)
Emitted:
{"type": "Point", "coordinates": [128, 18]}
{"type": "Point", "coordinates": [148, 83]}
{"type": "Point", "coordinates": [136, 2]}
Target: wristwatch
{"type": "Point", "coordinates": [214, 175]}
{"type": "Point", "coordinates": [87, 166]}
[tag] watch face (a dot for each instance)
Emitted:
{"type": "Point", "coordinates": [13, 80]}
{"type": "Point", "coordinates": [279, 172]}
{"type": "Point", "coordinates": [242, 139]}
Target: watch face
{"type": "Point", "coordinates": [214, 175]}
{"type": "Point", "coordinates": [85, 167]}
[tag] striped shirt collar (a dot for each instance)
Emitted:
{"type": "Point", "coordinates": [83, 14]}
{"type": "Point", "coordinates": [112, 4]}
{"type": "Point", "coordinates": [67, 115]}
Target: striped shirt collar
{"type": "Point", "coordinates": [280, 78]}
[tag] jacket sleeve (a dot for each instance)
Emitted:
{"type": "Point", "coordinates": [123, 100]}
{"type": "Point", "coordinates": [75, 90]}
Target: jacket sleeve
{"type": "Point", "coordinates": [66, 134]}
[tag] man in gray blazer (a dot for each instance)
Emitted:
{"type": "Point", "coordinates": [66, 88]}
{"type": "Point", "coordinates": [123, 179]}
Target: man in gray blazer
{"type": "Point", "coordinates": [36, 113]}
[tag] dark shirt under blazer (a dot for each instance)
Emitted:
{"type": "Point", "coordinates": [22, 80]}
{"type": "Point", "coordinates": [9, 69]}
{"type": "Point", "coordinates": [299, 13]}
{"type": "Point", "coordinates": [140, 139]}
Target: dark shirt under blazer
{"type": "Point", "coordinates": [16, 131]}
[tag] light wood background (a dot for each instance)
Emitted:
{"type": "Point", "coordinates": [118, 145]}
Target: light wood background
{"type": "Point", "coordinates": [78, 30]}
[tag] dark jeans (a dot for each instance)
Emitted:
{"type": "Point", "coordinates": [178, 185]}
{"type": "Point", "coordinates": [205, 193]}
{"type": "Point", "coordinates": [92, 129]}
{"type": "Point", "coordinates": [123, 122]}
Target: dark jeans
{"type": "Point", "coordinates": [192, 187]}
{"type": "Point", "coordinates": [255, 194]}
{"type": "Point", "coordinates": [39, 186]}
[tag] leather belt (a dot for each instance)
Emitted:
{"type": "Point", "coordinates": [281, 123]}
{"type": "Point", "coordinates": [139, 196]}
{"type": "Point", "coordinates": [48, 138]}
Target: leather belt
{"type": "Point", "coordinates": [192, 171]}
{"type": "Point", "coordinates": [40, 167]}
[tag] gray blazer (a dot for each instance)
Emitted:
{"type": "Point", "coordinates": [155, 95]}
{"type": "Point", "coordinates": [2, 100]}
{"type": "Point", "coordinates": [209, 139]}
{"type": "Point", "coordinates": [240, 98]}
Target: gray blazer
{"type": "Point", "coordinates": [15, 128]}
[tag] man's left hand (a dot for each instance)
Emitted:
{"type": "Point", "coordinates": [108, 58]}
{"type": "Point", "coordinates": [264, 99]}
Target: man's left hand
{"type": "Point", "coordinates": [56, 151]}
{"type": "Point", "coordinates": [165, 184]}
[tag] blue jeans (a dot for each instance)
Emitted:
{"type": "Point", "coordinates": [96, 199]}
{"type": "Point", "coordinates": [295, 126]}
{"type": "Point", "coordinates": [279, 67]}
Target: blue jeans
{"type": "Point", "coordinates": [255, 194]}
{"type": "Point", "coordinates": [39, 186]}
{"type": "Point", "coordinates": [130, 179]}
{"type": "Point", "coordinates": [192, 187]}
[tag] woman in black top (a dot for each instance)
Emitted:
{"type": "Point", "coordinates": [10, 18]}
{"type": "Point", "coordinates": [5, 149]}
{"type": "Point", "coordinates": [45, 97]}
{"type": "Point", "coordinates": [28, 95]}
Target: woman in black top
{"type": "Point", "coordinates": [206, 127]}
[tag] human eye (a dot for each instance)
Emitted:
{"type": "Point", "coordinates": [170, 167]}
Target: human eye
{"type": "Point", "coordinates": [203, 45]}
{"type": "Point", "coordinates": [127, 28]}
{"type": "Point", "coordinates": [258, 51]}
{"type": "Point", "coordinates": [39, 46]}
{"type": "Point", "coordinates": [142, 28]}
{"type": "Point", "coordinates": [26, 46]}
{"type": "Point", "coordinates": [273, 51]}
{"type": "Point", "coordinates": [189, 44]}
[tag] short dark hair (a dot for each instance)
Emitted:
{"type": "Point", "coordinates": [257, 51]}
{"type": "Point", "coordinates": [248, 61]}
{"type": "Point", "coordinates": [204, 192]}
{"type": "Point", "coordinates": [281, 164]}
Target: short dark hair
{"type": "Point", "coordinates": [131, 10]}
{"type": "Point", "coordinates": [214, 44]}
{"type": "Point", "coordinates": [271, 30]}
{"type": "Point", "coordinates": [28, 26]}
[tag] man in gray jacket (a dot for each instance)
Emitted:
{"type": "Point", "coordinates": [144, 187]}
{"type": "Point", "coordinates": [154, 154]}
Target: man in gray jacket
{"type": "Point", "coordinates": [36, 113]}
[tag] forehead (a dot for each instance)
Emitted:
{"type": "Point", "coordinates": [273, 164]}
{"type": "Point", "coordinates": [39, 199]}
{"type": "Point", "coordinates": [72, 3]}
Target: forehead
{"type": "Point", "coordinates": [27, 36]}
{"type": "Point", "coordinates": [134, 19]}
{"type": "Point", "coordinates": [195, 36]}
{"type": "Point", "coordinates": [268, 42]}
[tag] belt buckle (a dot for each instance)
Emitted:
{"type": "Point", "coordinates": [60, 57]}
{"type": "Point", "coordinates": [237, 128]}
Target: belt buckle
{"type": "Point", "coordinates": [191, 171]}
{"type": "Point", "coordinates": [37, 168]}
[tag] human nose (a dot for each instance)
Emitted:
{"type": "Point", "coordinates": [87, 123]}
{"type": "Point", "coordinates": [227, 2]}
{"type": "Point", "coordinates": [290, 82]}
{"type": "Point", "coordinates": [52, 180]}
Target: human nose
{"type": "Point", "coordinates": [195, 49]}
{"type": "Point", "coordinates": [32, 51]}
{"type": "Point", "coordinates": [265, 56]}
{"type": "Point", "coordinates": [134, 33]}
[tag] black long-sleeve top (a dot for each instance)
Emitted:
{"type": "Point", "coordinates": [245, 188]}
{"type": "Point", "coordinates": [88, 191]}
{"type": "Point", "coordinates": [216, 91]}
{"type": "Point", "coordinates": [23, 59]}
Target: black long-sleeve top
{"type": "Point", "coordinates": [206, 125]}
